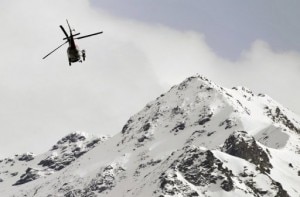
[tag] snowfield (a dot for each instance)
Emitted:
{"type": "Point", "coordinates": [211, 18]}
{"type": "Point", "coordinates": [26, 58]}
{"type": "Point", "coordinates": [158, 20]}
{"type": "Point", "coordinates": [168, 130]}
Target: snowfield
{"type": "Point", "coordinates": [198, 139]}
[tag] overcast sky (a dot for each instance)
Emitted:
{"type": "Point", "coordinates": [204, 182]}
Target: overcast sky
{"type": "Point", "coordinates": [147, 47]}
{"type": "Point", "coordinates": [229, 26]}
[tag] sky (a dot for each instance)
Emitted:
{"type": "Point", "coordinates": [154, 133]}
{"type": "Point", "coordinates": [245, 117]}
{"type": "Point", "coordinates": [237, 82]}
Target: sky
{"type": "Point", "coordinates": [147, 47]}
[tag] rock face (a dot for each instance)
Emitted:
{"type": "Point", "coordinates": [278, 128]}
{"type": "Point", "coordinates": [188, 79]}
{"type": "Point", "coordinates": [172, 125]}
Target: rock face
{"type": "Point", "coordinates": [26, 157]}
{"type": "Point", "coordinates": [278, 116]}
{"type": "Point", "coordinates": [68, 149]}
{"type": "Point", "coordinates": [240, 144]}
{"type": "Point", "coordinates": [198, 139]}
{"type": "Point", "coordinates": [29, 175]}
{"type": "Point", "coordinates": [27, 167]}
{"type": "Point", "coordinates": [196, 167]}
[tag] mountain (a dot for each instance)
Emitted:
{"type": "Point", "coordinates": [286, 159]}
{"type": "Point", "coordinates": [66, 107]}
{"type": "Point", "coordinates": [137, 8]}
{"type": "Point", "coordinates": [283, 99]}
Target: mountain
{"type": "Point", "coordinates": [198, 139]}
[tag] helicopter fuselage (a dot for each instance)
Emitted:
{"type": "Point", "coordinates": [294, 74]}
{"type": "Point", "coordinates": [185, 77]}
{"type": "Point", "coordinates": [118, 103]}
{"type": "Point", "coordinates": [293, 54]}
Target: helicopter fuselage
{"type": "Point", "coordinates": [73, 54]}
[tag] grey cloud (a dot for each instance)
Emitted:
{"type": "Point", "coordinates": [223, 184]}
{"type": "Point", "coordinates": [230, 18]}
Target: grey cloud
{"type": "Point", "coordinates": [126, 67]}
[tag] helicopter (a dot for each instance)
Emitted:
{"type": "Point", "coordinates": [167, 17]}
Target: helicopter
{"type": "Point", "coordinates": [74, 54]}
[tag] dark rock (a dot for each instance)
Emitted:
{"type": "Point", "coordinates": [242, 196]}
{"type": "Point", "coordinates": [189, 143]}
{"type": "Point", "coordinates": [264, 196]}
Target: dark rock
{"type": "Point", "coordinates": [278, 116]}
{"type": "Point", "coordinates": [68, 150]}
{"type": "Point", "coordinates": [146, 127]}
{"type": "Point", "coordinates": [228, 94]}
{"type": "Point", "coordinates": [252, 186]}
{"type": "Point", "coordinates": [281, 192]}
{"type": "Point", "coordinates": [210, 133]}
{"type": "Point", "coordinates": [142, 138]}
{"type": "Point", "coordinates": [179, 127]}
{"type": "Point", "coordinates": [54, 147]}
{"type": "Point", "coordinates": [126, 126]}
{"type": "Point", "coordinates": [227, 184]}
{"type": "Point", "coordinates": [49, 161]}
{"type": "Point", "coordinates": [200, 168]}
{"type": "Point", "coordinates": [9, 160]}
{"type": "Point", "coordinates": [145, 165]}
{"type": "Point", "coordinates": [30, 175]}
{"type": "Point", "coordinates": [104, 181]}
{"type": "Point", "coordinates": [71, 138]}
{"type": "Point", "coordinates": [228, 124]}
{"type": "Point", "coordinates": [14, 174]}
{"type": "Point", "coordinates": [176, 110]}
{"type": "Point", "coordinates": [26, 157]}
{"type": "Point", "coordinates": [203, 121]}
{"type": "Point", "coordinates": [74, 193]}
{"type": "Point", "coordinates": [241, 145]}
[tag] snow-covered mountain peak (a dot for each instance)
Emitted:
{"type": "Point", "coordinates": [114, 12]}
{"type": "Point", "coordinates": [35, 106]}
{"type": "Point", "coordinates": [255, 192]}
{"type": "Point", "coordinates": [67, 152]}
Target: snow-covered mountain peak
{"type": "Point", "coordinates": [197, 139]}
{"type": "Point", "coordinates": [196, 104]}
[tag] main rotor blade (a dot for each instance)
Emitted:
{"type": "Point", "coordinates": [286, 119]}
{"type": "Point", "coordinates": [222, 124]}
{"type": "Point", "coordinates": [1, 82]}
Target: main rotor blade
{"type": "Point", "coordinates": [73, 36]}
{"type": "Point", "coordinates": [63, 29]}
{"type": "Point", "coordinates": [69, 25]}
{"type": "Point", "coordinates": [55, 49]}
{"type": "Point", "coordinates": [90, 35]}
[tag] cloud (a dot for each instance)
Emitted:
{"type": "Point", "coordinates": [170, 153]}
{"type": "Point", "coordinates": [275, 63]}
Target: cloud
{"type": "Point", "coordinates": [127, 66]}
{"type": "Point", "coordinates": [275, 73]}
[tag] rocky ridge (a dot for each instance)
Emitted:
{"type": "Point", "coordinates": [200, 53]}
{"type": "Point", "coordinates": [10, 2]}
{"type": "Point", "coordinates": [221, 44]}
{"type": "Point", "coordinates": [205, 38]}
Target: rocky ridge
{"type": "Point", "coordinates": [198, 139]}
{"type": "Point", "coordinates": [28, 167]}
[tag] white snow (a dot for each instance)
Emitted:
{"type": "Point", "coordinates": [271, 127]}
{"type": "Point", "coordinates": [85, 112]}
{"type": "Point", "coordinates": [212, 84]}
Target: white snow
{"type": "Point", "coordinates": [196, 113]}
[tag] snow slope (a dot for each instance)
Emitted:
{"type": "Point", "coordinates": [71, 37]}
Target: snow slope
{"type": "Point", "coordinates": [198, 139]}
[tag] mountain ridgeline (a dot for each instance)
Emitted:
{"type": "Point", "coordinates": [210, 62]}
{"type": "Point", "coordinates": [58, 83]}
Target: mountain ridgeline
{"type": "Point", "coordinates": [197, 139]}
